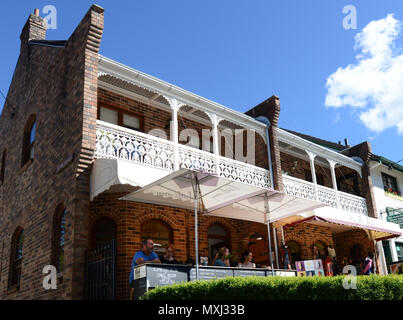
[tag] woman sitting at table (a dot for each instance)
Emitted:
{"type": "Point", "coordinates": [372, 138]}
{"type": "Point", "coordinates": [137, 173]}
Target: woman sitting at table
{"type": "Point", "coordinates": [247, 258]}
{"type": "Point", "coordinates": [222, 258]}
{"type": "Point", "coordinates": [168, 257]}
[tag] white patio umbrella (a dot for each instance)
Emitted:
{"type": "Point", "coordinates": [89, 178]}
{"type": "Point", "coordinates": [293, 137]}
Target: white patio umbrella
{"type": "Point", "coordinates": [218, 196]}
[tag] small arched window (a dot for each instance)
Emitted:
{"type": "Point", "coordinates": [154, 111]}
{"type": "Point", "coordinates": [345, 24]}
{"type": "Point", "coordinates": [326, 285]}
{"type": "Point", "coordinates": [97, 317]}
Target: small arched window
{"type": "Point", "coordinates": [159, 231]}
{"type": "Point", "coordinates": [16, 258]}
{"type": "Point", "coordinates": [28, 142]}
{"type": "Point", "coordinates": [59, 230]}
{"type": "Point", "coordinates": [3, 166]}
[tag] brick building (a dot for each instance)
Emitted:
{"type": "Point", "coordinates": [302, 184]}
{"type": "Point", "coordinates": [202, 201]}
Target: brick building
{"type": "Point", "coordinates": [80, 131]}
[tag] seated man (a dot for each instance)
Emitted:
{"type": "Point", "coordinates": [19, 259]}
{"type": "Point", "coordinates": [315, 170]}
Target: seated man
{"type": "Point", "coordinates": [145, 255]}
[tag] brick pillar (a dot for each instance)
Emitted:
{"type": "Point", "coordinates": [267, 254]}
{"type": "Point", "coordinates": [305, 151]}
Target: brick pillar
{"type": "Point", "coordinates": [363, 150]}
{"type": "Point", "coordinates": [270, 109]}
{"type": "Point", "coordinates": [82, 86]}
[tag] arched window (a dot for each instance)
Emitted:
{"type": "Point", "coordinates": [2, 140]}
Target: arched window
{"type": "Point", "coordinates": [28, 142]}
{"type": "Point", "coordinates": [104, 232]}
{"type": "Point", "coordinates": [16, 258]}
{"type": "Point", "coordinates": [3, 166]}
{"type": "Point", "coordinates": [218, 237]}
{"type": "Point", "coordinates": [59, 230]}
{"type": "Point", "coordinates": [159, 231]}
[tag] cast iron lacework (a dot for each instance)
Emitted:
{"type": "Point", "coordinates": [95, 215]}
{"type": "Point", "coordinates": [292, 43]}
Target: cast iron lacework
{"type": "Point", "coordinates": [148, 150]}
{"type": "Point", "coordinates": [331, 197]}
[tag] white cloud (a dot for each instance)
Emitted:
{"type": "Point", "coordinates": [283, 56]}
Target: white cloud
{"type": "Point", "coordinates": [374, 83]}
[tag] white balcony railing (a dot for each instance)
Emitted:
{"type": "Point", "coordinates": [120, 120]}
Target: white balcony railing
{"type": "Point", "coordinates": [331, 197]}
{"type": "Point", "coordinates": [114, 142]}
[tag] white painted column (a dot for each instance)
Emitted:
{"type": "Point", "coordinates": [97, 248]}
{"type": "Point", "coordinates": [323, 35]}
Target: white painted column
{"type": "Point", "coordinates": [175, 106]}
{"type": "Point", "coordinates": [382, 260]}
{"type": "Point", "coordinates": [334, 181]}
{"type": "Point", "coordinates": [276, 247]}
{"type": "Point", "coordinates": [216, 149]}
{"type": "Point", "coordinates": [333, 173]}
{"type": "Point", "coordinates": [174, 136]}
{"type": "Point", "coordinates": [393, 251]}
{"type": "Point", "coordinates": [313, 173]}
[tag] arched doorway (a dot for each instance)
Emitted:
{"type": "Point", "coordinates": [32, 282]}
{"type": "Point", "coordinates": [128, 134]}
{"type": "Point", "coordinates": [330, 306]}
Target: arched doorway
{"type": "Point", "coordinates": [101, 261]}
{"type": "Point", "coordinates": [218, 236]}
{"type": "Point", "coordinates": [160, 232]}
{"type": "Point", "coordinates": [295, 251]}
{"type": "Point", "coordinates": [320, 248]}
{"type": "Point", "coordinates": [256, 243]}
{"type": "Point", "coordinates": [104, 232]}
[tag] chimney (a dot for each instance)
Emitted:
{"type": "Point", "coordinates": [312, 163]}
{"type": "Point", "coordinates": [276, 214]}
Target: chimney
{"type": "Point", "coordinates": [34, 29]}
{"type": "Point", "coordinates": [346, 142]}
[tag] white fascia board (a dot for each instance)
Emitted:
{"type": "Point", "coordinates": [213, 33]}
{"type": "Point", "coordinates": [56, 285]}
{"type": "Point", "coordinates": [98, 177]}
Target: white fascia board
{"type": "Point", "coordinates": [151, 83]}
{"type": "Point", "coordinates": [301, 143]}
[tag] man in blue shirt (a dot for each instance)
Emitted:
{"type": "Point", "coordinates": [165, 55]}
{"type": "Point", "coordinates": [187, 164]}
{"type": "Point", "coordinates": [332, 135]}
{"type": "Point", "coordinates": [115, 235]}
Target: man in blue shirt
{"type": "Point", "coordinates": [145, 255]}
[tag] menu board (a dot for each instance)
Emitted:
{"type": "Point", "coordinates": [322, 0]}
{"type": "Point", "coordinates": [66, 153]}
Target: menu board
{"type": "Point", "coordinates": [284, 273]}
{"type": "Point", "coordinates": [249, 273]}
{"type": "Point", "coordinates": [210, 273]}
{"type": "Point", "coordinates": [162, 276]}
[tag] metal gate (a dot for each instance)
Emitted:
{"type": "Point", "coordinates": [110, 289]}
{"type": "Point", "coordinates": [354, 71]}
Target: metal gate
{"type": "Point", "coordinates": [101, 272]}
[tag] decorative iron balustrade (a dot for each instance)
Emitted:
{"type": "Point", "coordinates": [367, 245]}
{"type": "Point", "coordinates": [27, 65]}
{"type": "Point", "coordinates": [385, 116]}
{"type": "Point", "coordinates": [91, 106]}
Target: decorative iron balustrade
{"type": "Point", "coordinates": [242, 172]}
{"type": "Point", "coordinates": [331, 197]}
{"type": "Point", "coordinates": [191, 158]}
{"type": "Point", "coordinates": [113, 142]}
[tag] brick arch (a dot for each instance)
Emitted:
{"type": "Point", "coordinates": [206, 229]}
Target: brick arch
{"type": "Point", "coordinates": [217, 220]}
{"type": "Point", "coordinates": [158, 216]}
{"type": "Point", "coordinates": [110, 213]}
{"type": "Point", "coordinates": [26, 135]}
{"type": "Point", "coordinates": [324, 241]}
{"type": "Point", "coordinates": [55, 234]}
{"type": "Point", "coordinates": [300, 245]}
{"type": "Point", "coordinates": [260, 228]}
{"type": "Point", "coordinates": [176, 236]}
{"type": "Point", "coordinates": [250, 229]}
{"type": "Point", "coordinates": [208, 221]}
{"type": "Point", "coordinates": [12, 254]}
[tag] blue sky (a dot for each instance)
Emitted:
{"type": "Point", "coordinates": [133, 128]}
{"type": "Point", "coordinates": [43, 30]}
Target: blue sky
{"type": "Point", "coordinates": [237, 53]}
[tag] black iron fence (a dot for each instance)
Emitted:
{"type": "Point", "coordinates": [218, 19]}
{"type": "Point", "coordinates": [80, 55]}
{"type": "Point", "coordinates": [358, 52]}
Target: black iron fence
{"type": "Point", "coordinates": [101, 272]}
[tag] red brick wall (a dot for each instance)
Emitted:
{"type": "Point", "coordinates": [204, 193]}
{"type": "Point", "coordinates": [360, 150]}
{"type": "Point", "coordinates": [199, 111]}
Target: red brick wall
{"type": "Point", "coordinates": [306, 234]}
{"type": "Point", "coordinates": [58, 85]}
{"type": "Point", "coordinates": [129, 216]}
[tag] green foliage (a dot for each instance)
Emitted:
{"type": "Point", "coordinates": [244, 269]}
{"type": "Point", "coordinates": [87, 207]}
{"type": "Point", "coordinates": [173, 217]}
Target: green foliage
{"type": "Point", "coordinates": [283, 288]}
